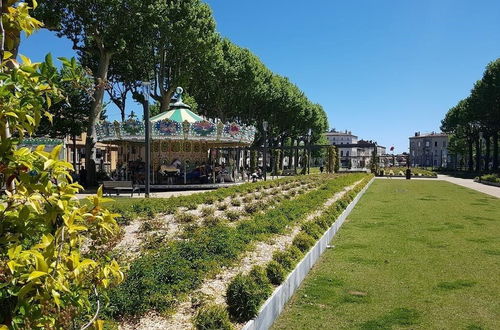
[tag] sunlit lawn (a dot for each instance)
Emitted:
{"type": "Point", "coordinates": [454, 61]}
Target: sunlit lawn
{"type": "Point", "coordinates": [414, 255]}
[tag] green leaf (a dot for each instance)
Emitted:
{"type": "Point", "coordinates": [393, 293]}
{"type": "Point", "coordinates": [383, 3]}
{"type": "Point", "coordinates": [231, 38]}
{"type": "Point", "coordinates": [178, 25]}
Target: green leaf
{"type": "Point", "coordinates": [36, 274]}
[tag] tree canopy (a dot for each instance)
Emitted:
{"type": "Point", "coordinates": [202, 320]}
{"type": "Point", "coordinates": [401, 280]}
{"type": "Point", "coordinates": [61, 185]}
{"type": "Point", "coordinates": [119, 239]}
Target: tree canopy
{"type": "Point", "coordinates": [478, 116]}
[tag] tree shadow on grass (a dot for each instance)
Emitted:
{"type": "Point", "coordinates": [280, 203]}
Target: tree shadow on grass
{"type": "Point", "coordinates": [398, 316]}
{"type": "Point", "coordinates": [454, 285]}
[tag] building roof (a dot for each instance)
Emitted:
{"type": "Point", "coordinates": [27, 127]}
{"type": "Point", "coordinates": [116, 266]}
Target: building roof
{"type": "Point", "coordinates": [427, 135]}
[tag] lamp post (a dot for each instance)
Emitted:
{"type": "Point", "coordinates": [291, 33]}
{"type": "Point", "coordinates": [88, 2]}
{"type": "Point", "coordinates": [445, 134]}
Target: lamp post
{"type": "Point", "coordinates": [480, 152]}
{"type": "Point", "coordinates": [265, 125]}
{"type": "Point", "coordinates": [146, 91]}
{"type": "Point", "coordinates": [309, 132]}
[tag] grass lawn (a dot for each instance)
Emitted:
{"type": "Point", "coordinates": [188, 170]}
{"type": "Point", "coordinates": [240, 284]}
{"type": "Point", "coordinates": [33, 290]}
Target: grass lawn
{"type": "Point", "coordinates": [413, 255]}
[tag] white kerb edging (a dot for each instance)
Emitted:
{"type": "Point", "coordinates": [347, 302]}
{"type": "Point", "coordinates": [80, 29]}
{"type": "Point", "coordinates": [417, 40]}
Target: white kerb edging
{"type": "Point", "coordinates": [274, 305]}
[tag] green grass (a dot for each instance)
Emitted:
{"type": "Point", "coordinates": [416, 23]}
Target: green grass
{"type": "Point", "coordinates": [412, 255]}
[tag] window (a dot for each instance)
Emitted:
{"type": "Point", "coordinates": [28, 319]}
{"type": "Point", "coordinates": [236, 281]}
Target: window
{"type": "Point", "coordinates": [347, 153]}
{"type": "Point", "coordinates": [444, 144]}
{"type": "Point", "coordinates": [419, 143]}
{"type": "Point", "coordinates": [427, 144]}
{"type": "Point", "coordinates": [341, 153]}
{"type": "Point", "coordinates": [436, 144]}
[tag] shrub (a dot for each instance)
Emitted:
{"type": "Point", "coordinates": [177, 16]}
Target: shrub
{"type": "Point", "coordinates": [192, 205]}
{"type": "Point", "coordinates": [313, 229]}
{"type": "Point", "coordinates": [212, 221]}
{"type": "Point", "coordinates": [287, 258]}
{"type": "Point", "coordinates": [252, 208]}
{"type": "Point", "coordinates": [303, 241]}
{"type": "Point", "coordinates": [210, 200]}
{"type": "Point", "coordinates": [275, 272]}
{"type": "Point", "coordinates": [185, 217]}
{"type": "Point", "coordinates": [222, 206]}
{"type": "Point", "coordinates": [236, 202]}
{"type": "Point", "coordinates": [207, 211]}
{"type": "Point", "coordinates": [247, 199]}
{"type": "Point", "coordinates": [245, 294]}
{"type": "Point", "coordinates": [232, 215]}
{"type": "Point", "coordinates": [212, 317]}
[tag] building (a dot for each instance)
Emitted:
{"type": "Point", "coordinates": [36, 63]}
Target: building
{"type": "Point", "coordinates": [106, 154]}
{"type": "Point", "coordinates": [429, 150]}
{"type": "Point", "coordinates": [354, 153]}
{"type": "Point", "coordinates": [348, 152]}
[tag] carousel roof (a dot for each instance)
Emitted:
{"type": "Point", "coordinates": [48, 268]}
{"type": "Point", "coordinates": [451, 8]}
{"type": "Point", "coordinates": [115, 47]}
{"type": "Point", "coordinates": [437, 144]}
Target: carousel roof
{"type": "Point", "coordinates": [178, 115]}
{"type": "Point", "coordinates": [179, 123]}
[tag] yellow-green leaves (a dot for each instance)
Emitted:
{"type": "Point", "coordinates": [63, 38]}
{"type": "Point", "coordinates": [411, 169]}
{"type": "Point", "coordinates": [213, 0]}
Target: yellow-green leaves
{"type": "Point", "coordinates": [43, 223]}
{"type": "Point", "coordinates": [36, 274]}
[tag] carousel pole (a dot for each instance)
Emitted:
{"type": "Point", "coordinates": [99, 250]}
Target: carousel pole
{"type": "Point", "coordinates": [145, 90]}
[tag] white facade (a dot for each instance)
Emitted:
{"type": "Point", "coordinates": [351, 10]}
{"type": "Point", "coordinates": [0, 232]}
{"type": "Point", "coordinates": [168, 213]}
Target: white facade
{"type": "Point", "coordinates": [429, 149]}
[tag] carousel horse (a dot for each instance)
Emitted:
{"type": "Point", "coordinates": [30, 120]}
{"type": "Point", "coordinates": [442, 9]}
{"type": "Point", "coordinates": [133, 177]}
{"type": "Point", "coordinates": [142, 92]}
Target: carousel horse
{"type": "Point", "coordinates": [172, 169]}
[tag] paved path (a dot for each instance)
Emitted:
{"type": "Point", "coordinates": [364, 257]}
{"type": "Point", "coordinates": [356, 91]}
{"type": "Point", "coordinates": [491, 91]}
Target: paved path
{"type": "Point", "coordinates": [468, 183]}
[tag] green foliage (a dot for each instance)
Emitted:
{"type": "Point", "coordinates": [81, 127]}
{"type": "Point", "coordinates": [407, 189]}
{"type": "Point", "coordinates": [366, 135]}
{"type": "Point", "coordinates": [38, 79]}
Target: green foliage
{"type": "Point", "coordinates": [46, 280]}
{"type": "Point", "coordinates": [212, 317]}
{"type": "Point", "coordinates": [303, 241]}
{"type": "Point", "coordinates": [313, 229]}
{"type": "Point", "coordinates": [275, 272]}
{"type": "Point", "coordinates": [246, 293]}
{"type": "Point", "coordinates": [232, 215]}
{"type": "Point", "coordinates": [287, 258]}
{"type": "Point", "coordinates": [491, 178]}
{"type": "Point", "coordinates": [181, 266]}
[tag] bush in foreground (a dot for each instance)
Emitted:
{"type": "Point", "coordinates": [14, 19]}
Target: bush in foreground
{"type": "Point", "coordinates": [246, 293]}
{"type": "Point", "coordinates": [212, 317]}
{"type": "Point", "coordinates": [303, 241]}
{"type": "Point", "coordinates": [275, 272]}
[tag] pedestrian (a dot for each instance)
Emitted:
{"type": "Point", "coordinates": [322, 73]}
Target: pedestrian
{"type": "Point", "coordinates": [83, 177]}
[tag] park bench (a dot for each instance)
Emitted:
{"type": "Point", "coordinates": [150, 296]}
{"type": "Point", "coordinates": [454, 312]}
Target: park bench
{"type": "Point", "coordinates": [289, 172]}
{"type": "Point", "coordinates": [117, 186]}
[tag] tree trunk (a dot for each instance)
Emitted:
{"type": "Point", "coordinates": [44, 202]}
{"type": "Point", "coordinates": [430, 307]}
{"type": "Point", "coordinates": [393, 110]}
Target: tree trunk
{"type": "Point", "coordinates": [495, 152]}
{"type": "Point", "coordinates": [478, 155]}
{"type": "Point", "coordinates": [487, 154]}
{"type": "Point", "coordinates": [471, 156]}
{"type": "Point", "coordinates": [74, 152]}
{"type": "Point", "coordinates": [165, 99]}
{"type": "Point", "coordinates": [95, 112]}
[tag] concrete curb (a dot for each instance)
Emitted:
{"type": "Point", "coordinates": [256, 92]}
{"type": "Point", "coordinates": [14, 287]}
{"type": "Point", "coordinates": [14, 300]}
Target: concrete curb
{"type": "Point", "coordinates": [274, 305]}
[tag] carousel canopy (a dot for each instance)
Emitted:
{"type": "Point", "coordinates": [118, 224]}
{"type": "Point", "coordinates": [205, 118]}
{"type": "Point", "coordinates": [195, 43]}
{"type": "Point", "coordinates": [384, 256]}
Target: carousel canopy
{"type": "Point", "coordinates": [179, 123]}
{"type": "Point", "coordinates": [178, 115]}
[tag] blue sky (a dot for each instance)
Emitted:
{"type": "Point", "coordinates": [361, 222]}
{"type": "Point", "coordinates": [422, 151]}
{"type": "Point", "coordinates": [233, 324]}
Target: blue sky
{"type": "Point", "coordinates": [382, 69]}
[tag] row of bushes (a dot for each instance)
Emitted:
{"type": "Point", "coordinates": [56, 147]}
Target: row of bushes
{"type": "Point", "coordinates": [133, 208]}
{"type": "Point", "coordinates": [495, 178]}
{"type": "Point", "coordinates": [158, 280]}
{"type": "Point", "coordinates": [246, 293]}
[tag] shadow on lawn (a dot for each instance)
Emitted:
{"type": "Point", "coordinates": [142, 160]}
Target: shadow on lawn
{"type": "Point", "coordinates": [454, 285]}
{"type": "Point", "coordinates": [398, 316]}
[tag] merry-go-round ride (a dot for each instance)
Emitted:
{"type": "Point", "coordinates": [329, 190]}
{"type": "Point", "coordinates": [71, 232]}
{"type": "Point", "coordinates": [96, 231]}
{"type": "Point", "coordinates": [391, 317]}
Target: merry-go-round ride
{"type": "Point", "coordinates": [184, 147]}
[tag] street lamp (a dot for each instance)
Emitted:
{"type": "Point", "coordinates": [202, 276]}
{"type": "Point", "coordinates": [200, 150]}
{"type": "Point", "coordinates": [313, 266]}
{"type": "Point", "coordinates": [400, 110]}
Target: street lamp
{"type": "Point", "coordinates": [265, 125]}
{"type": "Point", "coordinates": [146, 88]}
{"type": "Point", "coordinates": [479, 153]}
{"type": "Point", "coordinates": [309, 133]}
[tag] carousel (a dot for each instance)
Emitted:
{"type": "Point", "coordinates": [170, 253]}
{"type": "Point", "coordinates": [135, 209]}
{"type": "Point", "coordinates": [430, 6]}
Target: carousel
{"type": "Point", "coordinates": [185, 148]}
